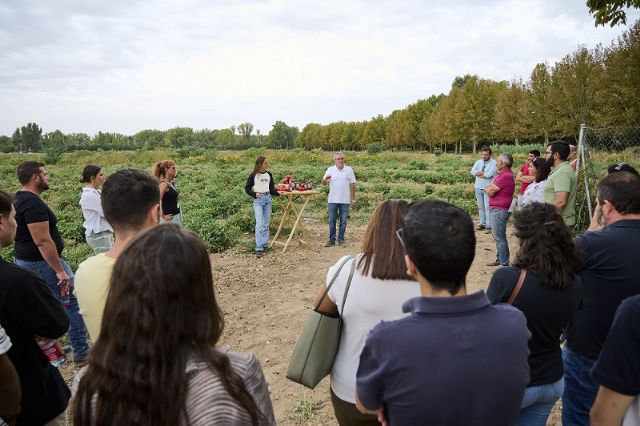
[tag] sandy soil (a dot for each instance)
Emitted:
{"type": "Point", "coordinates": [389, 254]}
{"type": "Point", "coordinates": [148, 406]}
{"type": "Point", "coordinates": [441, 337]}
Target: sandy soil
{"type": "Point", "coordinates": [266, 302]}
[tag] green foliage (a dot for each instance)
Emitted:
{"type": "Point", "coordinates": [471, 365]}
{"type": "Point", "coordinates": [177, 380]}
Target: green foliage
{"type": "Point", "coordinates": [304, 409]}
{"type": "Point", "coordinates": [375, 148]}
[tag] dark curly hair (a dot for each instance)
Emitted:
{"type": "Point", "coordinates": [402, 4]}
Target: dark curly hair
{"type": "Point", "coordinates": [546, 245]}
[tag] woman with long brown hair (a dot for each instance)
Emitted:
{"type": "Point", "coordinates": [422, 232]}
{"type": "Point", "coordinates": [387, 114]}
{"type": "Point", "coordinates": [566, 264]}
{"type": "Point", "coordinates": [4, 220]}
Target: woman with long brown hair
{"type": "Point", "coordinates": [166, 173]}
{"type": "Point", "coordinates": [379, 286]}
{"type": "Point", "coordinates": [549, 297]}
{"type": "Point", "coordinates": [156, 361]}
{"type": "Point", "coordinates": [261, 188]}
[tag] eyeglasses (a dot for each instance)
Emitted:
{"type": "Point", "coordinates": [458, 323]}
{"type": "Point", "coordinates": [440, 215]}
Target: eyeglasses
{"type": "Point", "coordinates": [400, 235]}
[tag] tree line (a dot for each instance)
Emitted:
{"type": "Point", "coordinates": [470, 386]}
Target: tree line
{"type": "Point", "coordinates": [598, 87]}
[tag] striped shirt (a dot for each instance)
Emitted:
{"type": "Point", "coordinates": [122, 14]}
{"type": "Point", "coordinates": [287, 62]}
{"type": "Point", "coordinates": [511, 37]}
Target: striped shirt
{"type": "Point", "coordinates": [5, 342]}
{"type": "Point", "coordinates": [207, 400]}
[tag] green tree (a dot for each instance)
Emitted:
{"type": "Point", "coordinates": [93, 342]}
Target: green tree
{"type": "Point", "coordinates": [6, 144]}
{"type": "Point", "coordinates": [282, 136]}
{"type": "Point", "coordinates": [621, 81]}
{"type": "Point", "coordinates": [611, 11]}
{"type": "Point", "coordinates": [512, 112]}
{"type": "Point", "coordinates": [245, 130]}
{"type": "Point", "coordinates": [16, 140]}
{"type": "Point", "coordinates": [574, 91]}
{"type": "Point", "coordinates": [539, 100]}
{"type": "Point", "coordinates": [31, 137]}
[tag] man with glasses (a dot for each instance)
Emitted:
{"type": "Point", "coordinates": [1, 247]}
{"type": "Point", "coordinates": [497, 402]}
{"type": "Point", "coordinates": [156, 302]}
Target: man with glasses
{"type": "Point", "coordinates": [561, 187]}
{"type": "Point", "coordinates": [38, 247]}
{"type": "Point", "coordinates": [456, 359]}
{"type": "Point", "coordinates": [609, 271]}
{"type": "Point", "coordinates": [342, 193]}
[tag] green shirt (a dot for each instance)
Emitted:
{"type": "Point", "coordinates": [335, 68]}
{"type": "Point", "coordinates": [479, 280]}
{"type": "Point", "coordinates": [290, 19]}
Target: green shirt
{"type": "Point", "coordinates": [563, 179]}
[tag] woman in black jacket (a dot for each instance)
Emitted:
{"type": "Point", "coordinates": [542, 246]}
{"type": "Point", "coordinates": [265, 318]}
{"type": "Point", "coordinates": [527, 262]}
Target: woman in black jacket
{"type": "Point", "coordinates": [260, 186]}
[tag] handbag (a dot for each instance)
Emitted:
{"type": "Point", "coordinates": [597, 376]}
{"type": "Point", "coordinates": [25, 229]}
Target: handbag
{"type": "Point", "coordinates": [516, 289]}
{"type": "Point", "coordinates": [317, 346]}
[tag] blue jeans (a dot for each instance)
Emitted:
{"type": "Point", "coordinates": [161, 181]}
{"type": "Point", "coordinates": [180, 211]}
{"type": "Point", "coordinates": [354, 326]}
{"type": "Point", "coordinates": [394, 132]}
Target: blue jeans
{"type": "Point", "coordinates": [580, 389]}
{"type": "Point", "coordinates": [334, 210]}
{"type": "Point", "coordinates": [538, 402]}
{"type": "Point", "coordinates": [499, 220]}
{"type": "Point", "coordinates": [77, 330]}
{"type": "Point", "coordinates": [482, 200]}
{"type": "Point", "coordinates": [262, 210]}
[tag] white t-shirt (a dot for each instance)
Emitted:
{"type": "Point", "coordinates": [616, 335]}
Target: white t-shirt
{"type": "Point", "coordinates": [92, 211]}
{"type": "Point", "coordinates": [534, 193]}
{"type": "Point", "coordinates": [261, 183]}
{"type": "Point", "coordinates": [5, 342]}
{"type": "Point", "coordinates": [339, 184]}
{"type": "Point", "coordinates": [369, 301]}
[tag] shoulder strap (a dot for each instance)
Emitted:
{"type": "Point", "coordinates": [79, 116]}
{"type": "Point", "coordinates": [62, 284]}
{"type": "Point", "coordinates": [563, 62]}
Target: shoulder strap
{"type": "Point", "coordinates": [516, 289]}
{"type": "Point", "coordinates": [326, 290]}
{"type": "Point", "coordinates": [346, 289]}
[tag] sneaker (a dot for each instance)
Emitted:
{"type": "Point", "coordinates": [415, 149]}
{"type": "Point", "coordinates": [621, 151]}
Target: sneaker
{"type": "Point", "coordinates": [494, 263]}
{"type": "Point", "coordinates": [341, 243]}
{"type": "Point", "coordinates": [259, 254]}
{"type": "Point", "coordinates": [480, 227]}
{"type": "Point", "coordinates": [330, 243]}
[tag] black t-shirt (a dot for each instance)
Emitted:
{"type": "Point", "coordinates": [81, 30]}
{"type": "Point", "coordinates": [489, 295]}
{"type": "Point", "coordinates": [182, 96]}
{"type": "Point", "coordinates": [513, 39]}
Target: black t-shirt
{"type": "Point", "coordinates": [610, 260]}
{"type": "Point", "coordinates": [28, 309]}
{"type": "Point", "coordinates": [548, 311]}
{"type": "Point", "coordinates": [618, 368]}
{"type": "Point", "coordinates": [31, 209]}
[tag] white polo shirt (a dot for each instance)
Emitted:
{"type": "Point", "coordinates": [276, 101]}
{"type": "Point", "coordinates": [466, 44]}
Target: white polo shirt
{"type": "Point", "coordinates": [339, 192]}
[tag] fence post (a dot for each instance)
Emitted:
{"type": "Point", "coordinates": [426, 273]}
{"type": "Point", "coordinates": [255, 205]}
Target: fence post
{"type": "Point", "coordinates": [582, 147]}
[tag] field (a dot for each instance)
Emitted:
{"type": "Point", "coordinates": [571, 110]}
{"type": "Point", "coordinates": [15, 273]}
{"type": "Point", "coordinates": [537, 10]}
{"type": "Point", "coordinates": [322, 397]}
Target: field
{"type": "Point", "coordinates": [211, 186]}
{"type": "Point", "coordinates": [266, 301]}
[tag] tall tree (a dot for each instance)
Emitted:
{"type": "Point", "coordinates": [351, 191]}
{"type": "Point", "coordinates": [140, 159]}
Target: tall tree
{"type": "Point", "coordinates": [541, 114]}
{"type": "Point", "coordinates": [31, 136]}
{"type": "Point", "coordinates": [282, 135]}
{"type": "Point", "coordinates": [512, 111]}
{"type": "Point", "coordinates": [245, 130]}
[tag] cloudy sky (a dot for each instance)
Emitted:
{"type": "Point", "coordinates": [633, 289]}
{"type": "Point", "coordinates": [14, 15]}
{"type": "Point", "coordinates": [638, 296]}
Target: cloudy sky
{"type": "Point", "coordinates": [124, 66]}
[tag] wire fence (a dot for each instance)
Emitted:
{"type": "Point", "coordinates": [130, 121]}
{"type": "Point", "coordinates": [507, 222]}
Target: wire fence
{"type": "Point", "coordinates": [599, 148]}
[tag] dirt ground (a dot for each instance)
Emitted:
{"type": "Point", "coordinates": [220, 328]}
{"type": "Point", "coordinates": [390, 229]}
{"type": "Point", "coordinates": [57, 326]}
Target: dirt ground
{"type": "Point", "coordinates": [266, 302]}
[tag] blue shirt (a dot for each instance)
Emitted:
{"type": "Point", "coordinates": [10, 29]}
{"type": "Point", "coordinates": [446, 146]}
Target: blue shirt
{"type": "Point", "coordinates": [453, 361]}
{"type": "Point", "coordinates": [489, 168]}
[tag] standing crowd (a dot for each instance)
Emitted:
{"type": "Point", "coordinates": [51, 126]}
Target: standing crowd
{"type": "Point", "coordinates": [416, 348]}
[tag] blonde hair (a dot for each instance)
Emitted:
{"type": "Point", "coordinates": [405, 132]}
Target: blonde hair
{"type": "Point", "coordinates": [160, 168]}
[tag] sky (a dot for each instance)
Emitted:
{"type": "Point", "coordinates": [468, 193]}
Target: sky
{"type": "Point", "coordinates": [124, 66]}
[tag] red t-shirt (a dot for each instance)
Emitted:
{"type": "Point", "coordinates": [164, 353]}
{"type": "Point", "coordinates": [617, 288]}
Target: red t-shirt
{"type": "Point", "coordinates": [525, 172]}
{"type": "Point", "coordinates": [502, 199]}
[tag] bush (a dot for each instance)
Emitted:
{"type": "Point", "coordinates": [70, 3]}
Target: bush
{"type": "Point", "coordinates": [375, 148]}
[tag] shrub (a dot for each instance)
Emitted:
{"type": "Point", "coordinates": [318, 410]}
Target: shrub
{"type": "Point", "coordinates": [375, 148]}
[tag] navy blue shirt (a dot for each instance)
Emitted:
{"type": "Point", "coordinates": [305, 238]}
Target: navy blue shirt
{"type": "Point", "coordinates": [618, 368]}
{"type": "Point", "coordinates": [453, 361]}
{"type": "Point", "coordinates": [610, 260]}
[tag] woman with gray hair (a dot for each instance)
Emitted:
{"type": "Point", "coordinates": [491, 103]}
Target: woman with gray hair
{"type": "Point", "coordinates": [500, 192]}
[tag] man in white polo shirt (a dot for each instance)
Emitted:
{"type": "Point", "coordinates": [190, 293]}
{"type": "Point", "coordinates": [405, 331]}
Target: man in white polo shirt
{"type": "Point", "coordinates": [342, 193]}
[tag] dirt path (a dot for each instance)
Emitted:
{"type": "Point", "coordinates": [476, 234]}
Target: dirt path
{"type": "Point", "coordinates": [266, 302]}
